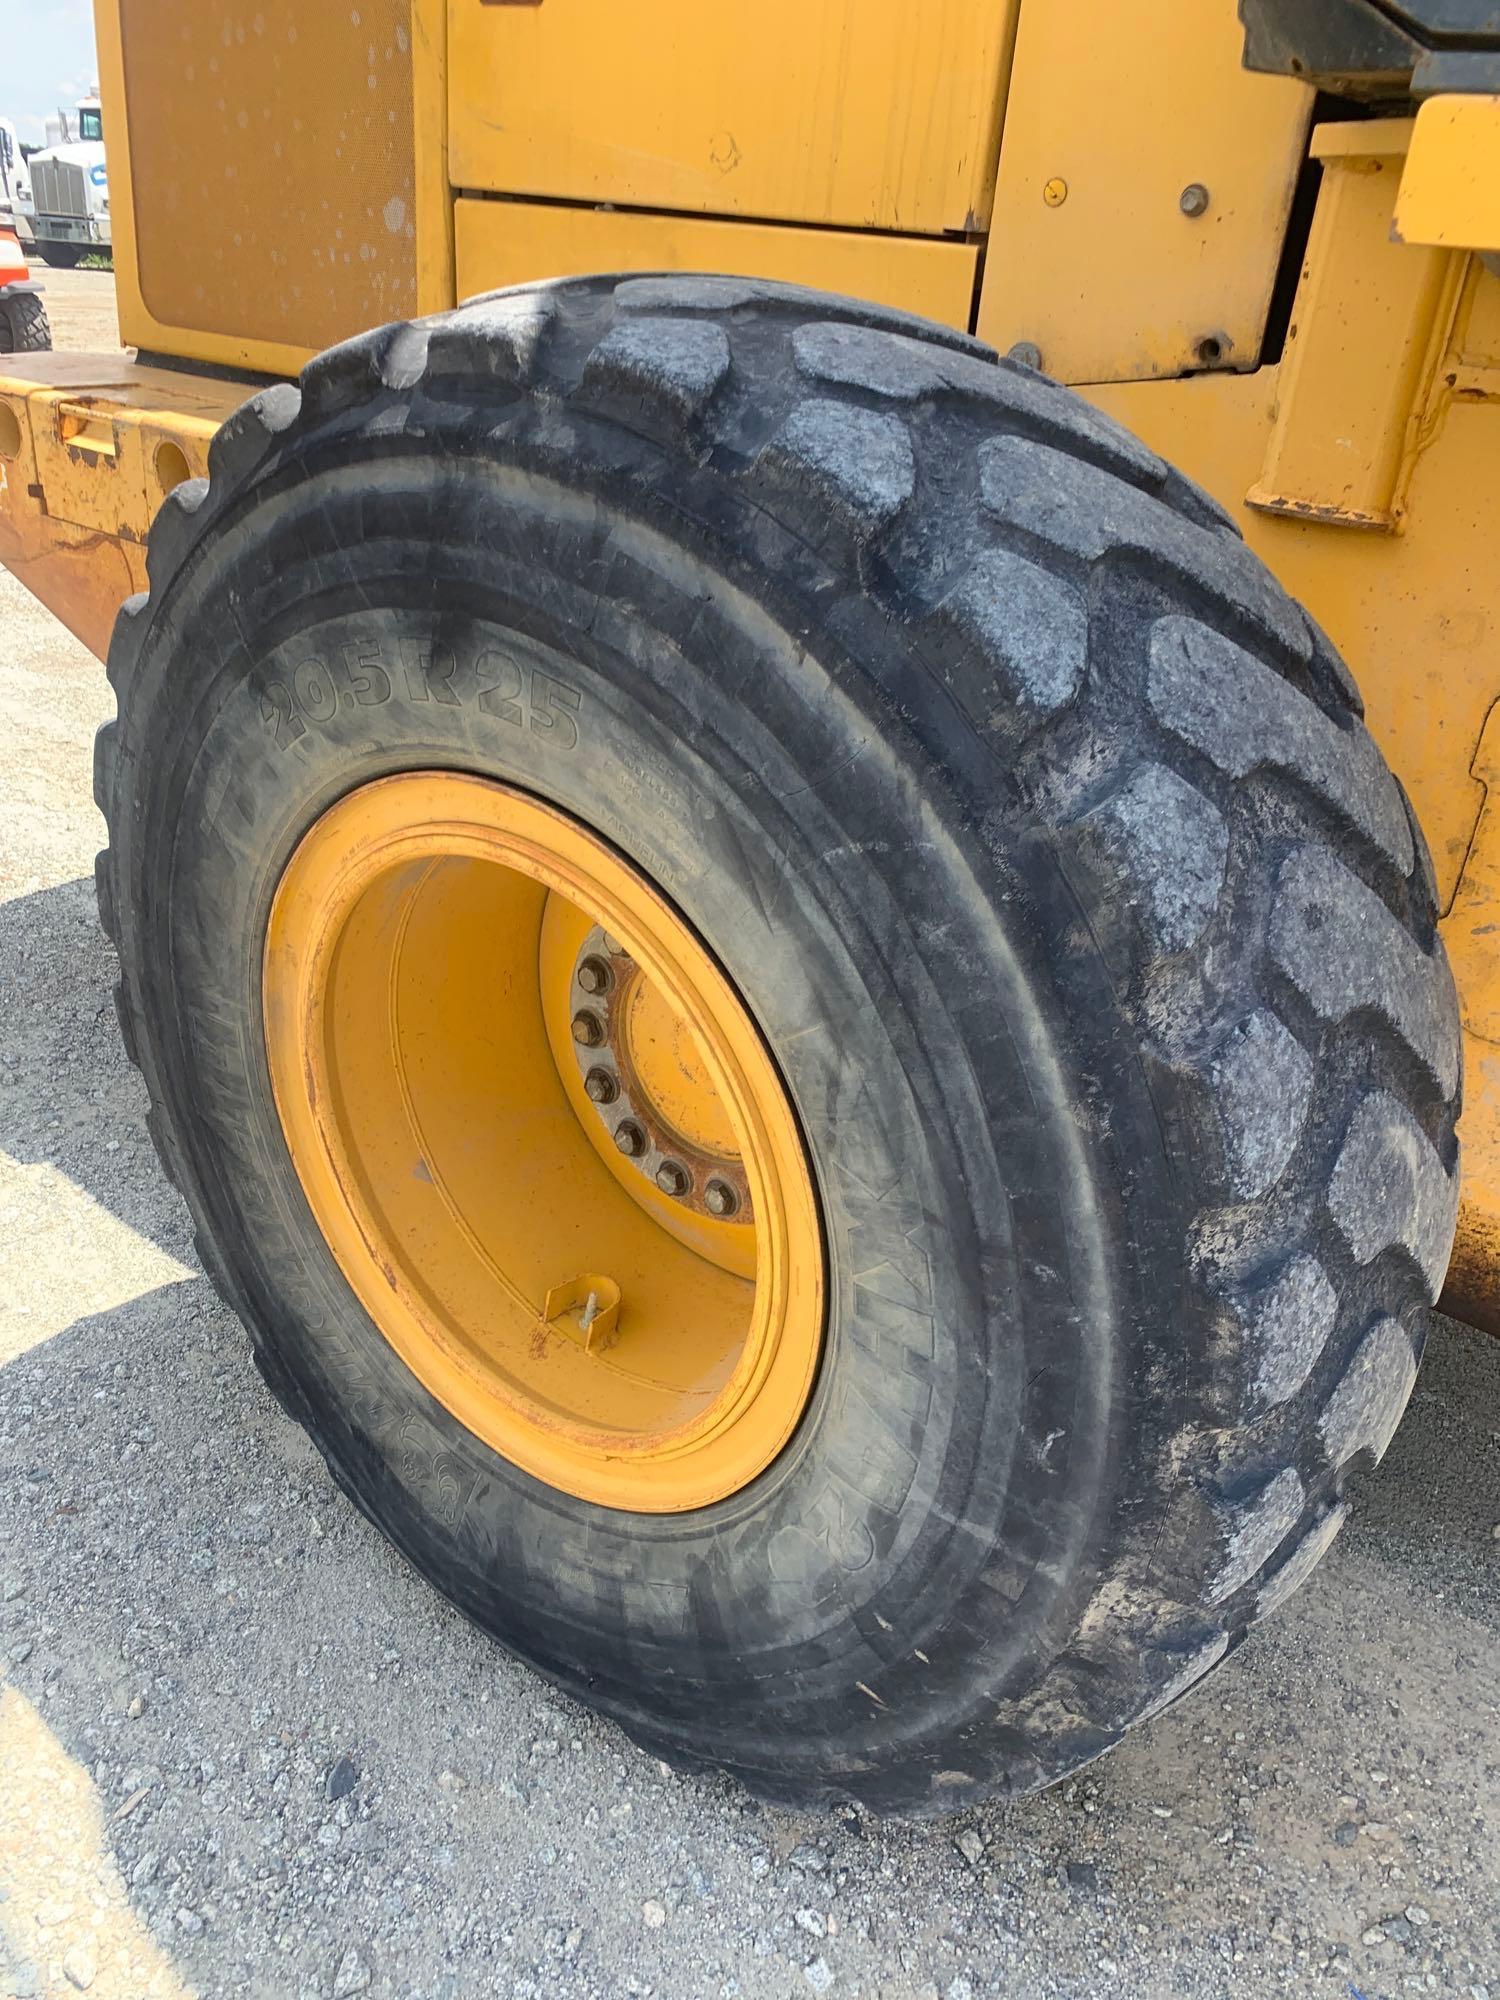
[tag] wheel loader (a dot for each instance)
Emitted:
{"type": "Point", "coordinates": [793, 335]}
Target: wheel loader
{"type": "Point", "coordinates": [799, 826]}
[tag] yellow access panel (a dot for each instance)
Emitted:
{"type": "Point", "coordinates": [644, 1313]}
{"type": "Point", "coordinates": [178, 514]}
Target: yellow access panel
{"type": "Point", "coordinates": [872, 114]}
{"type": "Point", "coordinates": [1145, 182]}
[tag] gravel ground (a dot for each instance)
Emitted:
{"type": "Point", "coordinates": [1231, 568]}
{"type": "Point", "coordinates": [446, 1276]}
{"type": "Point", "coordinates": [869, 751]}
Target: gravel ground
{"type": "Point", "coordinates": [80, 307]}
{"type": "Point", "coordinates": [245, 1750]}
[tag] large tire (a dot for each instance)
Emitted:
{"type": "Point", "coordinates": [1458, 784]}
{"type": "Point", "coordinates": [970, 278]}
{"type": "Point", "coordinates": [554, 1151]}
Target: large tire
{"type": "Point", "coordinates": [1040, 833]}
{"type": "Point", "coordinates": [60, 256]}
{"type": "Point", "coordinates": [24, 327]}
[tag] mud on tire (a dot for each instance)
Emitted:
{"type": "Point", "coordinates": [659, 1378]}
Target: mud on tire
{"type": "Point", "coordinates": [1039, 830]}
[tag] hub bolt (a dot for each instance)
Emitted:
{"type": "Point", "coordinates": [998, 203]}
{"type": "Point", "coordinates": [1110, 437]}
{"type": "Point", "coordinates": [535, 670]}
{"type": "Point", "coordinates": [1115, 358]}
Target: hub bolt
{"type": "Point", "coordinates": [720, 1199]}
{"type": "Point", "coordinates": [630, 1139]}
{"type": "Point", "coordinates": [601, 1086]}
{"type": "Point", "coordinates": [673, 1178]}
{"type": "Point", "coordinates": [594, 976]}
{"type": "Point", "coordinates": [588, 1030]}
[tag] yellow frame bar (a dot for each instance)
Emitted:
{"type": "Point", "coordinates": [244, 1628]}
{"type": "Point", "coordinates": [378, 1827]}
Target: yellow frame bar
{"type": "Point", "coordinates": [434, 193]}
{"type": "Point", "coordinates": [514, 242]}
{"type": "Point", "coordinates": [83, 471]}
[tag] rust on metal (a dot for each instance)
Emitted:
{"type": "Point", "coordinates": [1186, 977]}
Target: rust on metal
{"type": "Point", "coordinates": [89, 447]}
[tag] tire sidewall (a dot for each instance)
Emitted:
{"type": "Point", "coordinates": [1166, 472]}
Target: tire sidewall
{"type": "Point", "coordinates": [966, 1439]}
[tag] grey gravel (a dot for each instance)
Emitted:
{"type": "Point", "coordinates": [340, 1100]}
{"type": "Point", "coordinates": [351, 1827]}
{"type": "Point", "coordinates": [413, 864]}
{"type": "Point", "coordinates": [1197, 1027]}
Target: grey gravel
{"type": "Point", "coordinates": [172, 1536]}
{"type": "Point", "coordinates": [340, 1781]}
{"type": "Point", "coordinates": [78, 1968]}
{"type": "Point", "coordinates": [353, 1976]}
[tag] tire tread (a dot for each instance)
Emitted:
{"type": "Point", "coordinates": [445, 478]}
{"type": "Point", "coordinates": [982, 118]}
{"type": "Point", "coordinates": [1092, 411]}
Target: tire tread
{"type": "Point", "coordinates": [936, 482]}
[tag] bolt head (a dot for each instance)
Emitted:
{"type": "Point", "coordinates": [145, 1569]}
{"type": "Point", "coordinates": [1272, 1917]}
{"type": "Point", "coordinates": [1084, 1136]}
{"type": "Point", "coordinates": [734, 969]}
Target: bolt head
{"type": "Point", "coordinates": [594, 975]}
{"type": "Point", "coordinates": [1194, 199]}
{"type": "Point", "coordinates": [720, 1199]}
{"type": "Point", "coordinates": [601, 1086]}
{"type": "Point", "coordinates": [1027, 353]}
{"type": "Point", "coordinates": [588, 1030]}
{"type": "Point", "coordinates": [673, 1178]}
{"type": "Point", "coordinates": [630, 1139]}
{"type": "Point", "coordinates": [1055, 192]}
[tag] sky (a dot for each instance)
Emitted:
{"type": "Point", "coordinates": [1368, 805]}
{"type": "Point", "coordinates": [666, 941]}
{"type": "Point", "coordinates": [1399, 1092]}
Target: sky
{"type": "Point", "coordinates": [46, 60]}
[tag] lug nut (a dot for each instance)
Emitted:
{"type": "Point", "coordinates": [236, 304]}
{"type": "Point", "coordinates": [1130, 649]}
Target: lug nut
{"type": "Point", "coordinates": [630, 1139]}
{"type": "Point", "coordinates": [720, 1199]}
{"type": "Point", "coordinates": [594, 976]}
{"type": "Point", "coordinates": [588, 1030]}
{"type": "Point", "coordinates": [1194, 199]}
{"type": "Point", "coordinates": [673, 1178]}
{"type": "Point", "coordinates": [601, 1086]}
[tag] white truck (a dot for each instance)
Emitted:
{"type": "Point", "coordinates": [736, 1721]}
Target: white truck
{"type": "Point", "coordinates": [15, 180]}
{"type": "Point", "coordinates": [69, 206]}
{"type": "Point", "coordinates": [23, 317]}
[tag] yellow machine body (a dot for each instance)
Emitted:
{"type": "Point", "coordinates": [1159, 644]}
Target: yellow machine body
{"type": "Point", "coordinates": [1305, 316]}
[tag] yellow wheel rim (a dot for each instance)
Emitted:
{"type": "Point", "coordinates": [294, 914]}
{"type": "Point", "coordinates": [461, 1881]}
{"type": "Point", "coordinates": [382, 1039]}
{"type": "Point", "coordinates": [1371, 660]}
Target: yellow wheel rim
{"type": "Point", "coordinates": [616, 1283]}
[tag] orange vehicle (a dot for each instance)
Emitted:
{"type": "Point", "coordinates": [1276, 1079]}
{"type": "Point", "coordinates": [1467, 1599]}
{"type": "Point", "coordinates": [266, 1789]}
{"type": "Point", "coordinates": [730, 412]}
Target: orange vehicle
{"type": "Point", "coordinates": [806, 700]}
{"type": "Point", "coordinates": [23, 317]}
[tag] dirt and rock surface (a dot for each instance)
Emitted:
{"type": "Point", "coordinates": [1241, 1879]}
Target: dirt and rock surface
{"type": "Point", "coordinates": [80, 306]}
{"type": "Point", "coordinates": [245, 1751]}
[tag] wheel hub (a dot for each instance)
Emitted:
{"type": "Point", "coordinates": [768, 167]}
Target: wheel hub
{"type": "Point", "coordinates": [649, 1086]}
{"type": "Point", "coordinates": [544, 1141]}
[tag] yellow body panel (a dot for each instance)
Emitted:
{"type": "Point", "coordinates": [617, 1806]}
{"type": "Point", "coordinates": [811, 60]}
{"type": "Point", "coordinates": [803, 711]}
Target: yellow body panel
{"type": "Point", "coordinates": [263, 176]}
{"type": "Point", "coordinates": [1450, 191]}
{"type": "Point", "coordinates": [1471, 932]}
{"type": "Point", "coordinates": [510, 242]}
{"type": "Point", "coordinates": [869, 114]}
{"type": "Point", "coordinates": [1091, 258]}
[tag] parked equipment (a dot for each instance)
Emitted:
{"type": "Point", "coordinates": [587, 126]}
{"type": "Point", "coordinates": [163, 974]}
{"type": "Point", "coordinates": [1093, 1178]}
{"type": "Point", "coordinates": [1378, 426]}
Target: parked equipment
{"type": "Point", "coordinates": [69, 210]}
{"type": "Point", "coordinates": [790, 930]}
{"type": "Point", "coordinates": [23, 317]}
